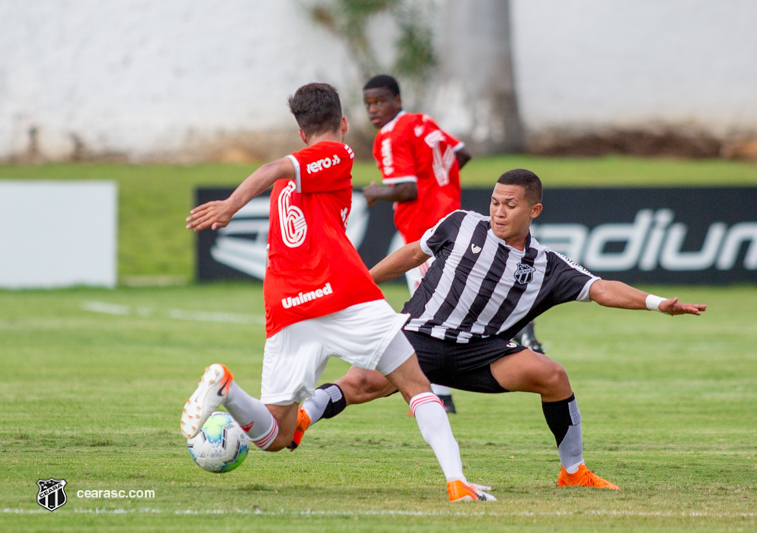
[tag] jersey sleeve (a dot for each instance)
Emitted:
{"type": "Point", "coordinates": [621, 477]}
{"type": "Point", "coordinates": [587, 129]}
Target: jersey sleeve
{"type": "Point", "coordinates": [454, 143]}
{"type": "Point", "coordinates": [444, 232]}
{"type": "Point", "coordinates": [323, 168]}
{"type": "Point", "coordinates": [569, 281]}
{"type": "Point", "coordinates": [396, 161]}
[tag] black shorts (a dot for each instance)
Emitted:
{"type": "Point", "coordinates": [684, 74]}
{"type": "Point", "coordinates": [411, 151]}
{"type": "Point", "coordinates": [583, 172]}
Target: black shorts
{"type": "Point", "coordinates": [461, 366]}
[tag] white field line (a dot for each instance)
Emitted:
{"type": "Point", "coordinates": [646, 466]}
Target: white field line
{"type": "Point", "coordinates": [387, 512]}
{"type": "Point", "coordinates": [176, 314]}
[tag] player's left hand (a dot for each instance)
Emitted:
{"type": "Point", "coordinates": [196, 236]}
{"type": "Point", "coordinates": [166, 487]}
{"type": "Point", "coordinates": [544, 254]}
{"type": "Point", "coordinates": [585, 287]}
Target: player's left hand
{"type": "Point", "coordinates": [673, 307]}
{"type": "Point", "coordinates": [214, 215]}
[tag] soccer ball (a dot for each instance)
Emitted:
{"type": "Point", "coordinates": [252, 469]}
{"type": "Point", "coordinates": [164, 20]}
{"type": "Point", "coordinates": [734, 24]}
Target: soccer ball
{"type": "Point", "coordinates": [220, 446]}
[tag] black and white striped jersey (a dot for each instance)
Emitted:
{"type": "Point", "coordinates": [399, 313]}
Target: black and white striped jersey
{"type": "Point", "coordinates": [478, 286]}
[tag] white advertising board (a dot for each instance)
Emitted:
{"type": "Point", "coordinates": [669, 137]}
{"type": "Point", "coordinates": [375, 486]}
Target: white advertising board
{"type": "Point", "coordinates": [58, 234]}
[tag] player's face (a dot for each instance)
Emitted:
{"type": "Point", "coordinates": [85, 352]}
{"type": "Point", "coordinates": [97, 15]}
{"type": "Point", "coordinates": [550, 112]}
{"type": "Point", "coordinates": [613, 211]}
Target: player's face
{"type": "Point", "coordinates": [511, 212]}
{"type": "Point", "coordinates": [382, 106]}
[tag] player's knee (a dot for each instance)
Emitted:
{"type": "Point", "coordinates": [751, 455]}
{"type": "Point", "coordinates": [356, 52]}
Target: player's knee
{"type": "Point", "coordinates": [553, 376]}
{"type": "Point", "coordinates": [360, 386]}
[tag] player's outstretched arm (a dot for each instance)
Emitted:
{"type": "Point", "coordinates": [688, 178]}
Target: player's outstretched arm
{"type": "Point", "coordinates": [401, 192]}
{"type": "Point", "coordinates": [217, 214]}
{"type": "Point", "coordinates": [620, 295]}
{"type": "Point", "coordinates": [399, 262]}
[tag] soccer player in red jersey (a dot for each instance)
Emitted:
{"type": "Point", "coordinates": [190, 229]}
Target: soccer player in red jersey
{"type": "Point", "coordinates": [320, 299]}
{"type": "Point", "coordinates": [420, 165]}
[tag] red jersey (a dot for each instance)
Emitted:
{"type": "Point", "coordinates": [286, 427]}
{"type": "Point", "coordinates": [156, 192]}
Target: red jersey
{"type": "Point", "coordinates": [314, 270]}
{"type": "Point", "coordinates": [412, 148]}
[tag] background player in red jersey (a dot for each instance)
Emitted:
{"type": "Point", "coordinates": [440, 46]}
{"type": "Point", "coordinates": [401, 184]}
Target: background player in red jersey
{"type": "Point", "coordinates": [320, 299]}
{"type": "Point", "coordinates": [420, 165]}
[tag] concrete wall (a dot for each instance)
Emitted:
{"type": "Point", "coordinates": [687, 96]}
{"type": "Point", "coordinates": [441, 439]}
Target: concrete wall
{"type": "Point", "coordinates": [632, 61]}
{"type": "Point", "coordinates": [192, 79]}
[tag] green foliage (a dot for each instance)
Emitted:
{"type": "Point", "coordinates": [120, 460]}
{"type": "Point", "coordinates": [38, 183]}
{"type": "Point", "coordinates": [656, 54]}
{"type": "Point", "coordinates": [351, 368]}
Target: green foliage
{"type": "Point", "coordinates": [95, 398]}
{"type": "Point", "coordinates": [349, 20]}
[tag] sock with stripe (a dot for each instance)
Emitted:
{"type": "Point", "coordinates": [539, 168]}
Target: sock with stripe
{"type": "Point", "coordinates": [434, 425]}
{"type": "Point", "coordinates": [327, 402]}
{"type": "Point", "coordinates": [564, 420]}
{"type": "Point", "coordinates": [250, 413]}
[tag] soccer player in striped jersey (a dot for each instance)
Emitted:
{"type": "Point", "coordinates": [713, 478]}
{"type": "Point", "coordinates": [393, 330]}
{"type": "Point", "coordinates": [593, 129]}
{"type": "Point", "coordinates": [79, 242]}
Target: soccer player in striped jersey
{"type": "Point", "coordinates": [320, 299]}
{"type": "Point", "coordinates": [490, 278]}
{"type": "Point", "coordinates": [420, 167]}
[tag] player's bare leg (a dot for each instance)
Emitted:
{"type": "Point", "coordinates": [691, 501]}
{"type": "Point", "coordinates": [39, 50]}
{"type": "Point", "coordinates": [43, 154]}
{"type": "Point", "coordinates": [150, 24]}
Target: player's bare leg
{"type": "Point", "coordinates": [286, 418]}
{"type": "Point", "coordinates": [267, 426]}
{"type": "Point", "coordinates": [528, 371]}
{"type": "Point", "coordinates": [356, 387]}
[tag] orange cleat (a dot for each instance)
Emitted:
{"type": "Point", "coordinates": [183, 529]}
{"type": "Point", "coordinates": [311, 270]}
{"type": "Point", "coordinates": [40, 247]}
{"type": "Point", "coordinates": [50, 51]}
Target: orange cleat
{"type": "Point", "coordinates": [583, 478]}
{"type": "Point", "coordinates": [303, 423]}
{"type": "Point", "coordinates": [460, 491]}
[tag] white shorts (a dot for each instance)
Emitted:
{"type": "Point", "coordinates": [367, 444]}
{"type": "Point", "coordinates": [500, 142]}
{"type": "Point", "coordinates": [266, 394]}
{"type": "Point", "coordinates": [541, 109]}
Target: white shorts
{"type": "Point", "coordinates": [366, 335]}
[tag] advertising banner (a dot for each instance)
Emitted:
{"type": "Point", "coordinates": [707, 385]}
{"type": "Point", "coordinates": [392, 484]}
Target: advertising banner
{"type": "Point", "coordinates": [58, 234]}
{"type": "Point", "coordinates": [637, 235]}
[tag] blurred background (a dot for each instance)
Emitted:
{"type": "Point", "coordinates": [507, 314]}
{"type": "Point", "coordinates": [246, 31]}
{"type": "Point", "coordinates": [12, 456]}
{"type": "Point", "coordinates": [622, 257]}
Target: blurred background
{"type": "Point", "coordinates": [191, 81]}
{"type": "Point", "coordinates": [158, 98]}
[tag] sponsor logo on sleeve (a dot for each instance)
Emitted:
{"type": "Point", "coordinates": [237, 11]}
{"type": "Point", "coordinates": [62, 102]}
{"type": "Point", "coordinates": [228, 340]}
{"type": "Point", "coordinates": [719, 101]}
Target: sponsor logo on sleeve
{"type": "Point", "coordinates": [387, 161]}
{"type": "Point", "coordinates": [326, 162]}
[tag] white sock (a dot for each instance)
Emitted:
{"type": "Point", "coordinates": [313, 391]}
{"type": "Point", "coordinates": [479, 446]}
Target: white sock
{"type": "Point", "coordinates": [317, 404]}
{"type": "Point", "coordinates": [250, 413]}
{"type": "Point", "coordinates": [440, 390]}
{"type": "Point", "coordinates": [434, 425]}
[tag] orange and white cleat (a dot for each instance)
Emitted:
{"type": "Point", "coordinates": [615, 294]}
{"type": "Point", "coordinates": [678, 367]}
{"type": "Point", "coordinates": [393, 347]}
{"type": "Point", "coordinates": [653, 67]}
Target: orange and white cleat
{"type": "Point", "coordinates": [303, 423]}
{"type": "Point", "coordinates": [210, 393]}
{"type": "Point", "coordinates": [460, 491]}
{"type": "Point", "coordinates": [583, 478]}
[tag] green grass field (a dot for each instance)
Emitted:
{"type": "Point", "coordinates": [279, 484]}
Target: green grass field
{"type": "Point", "coordinates": [94, 381]}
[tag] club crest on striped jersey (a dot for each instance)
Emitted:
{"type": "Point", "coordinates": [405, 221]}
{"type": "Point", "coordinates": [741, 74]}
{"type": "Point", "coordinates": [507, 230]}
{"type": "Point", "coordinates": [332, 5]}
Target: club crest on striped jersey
{"type": "Point", "coordinates": [51, 494]}
{"type": "Point", "coordinates": [524, 274]}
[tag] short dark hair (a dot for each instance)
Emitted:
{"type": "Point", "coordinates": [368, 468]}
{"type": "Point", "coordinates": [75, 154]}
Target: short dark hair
{"type": "Point", "coordinates": [526, 179]}
{"type": "Point", "coordinates": [317, 108]}
{"type": "Point", "coordinates": [383, 81]}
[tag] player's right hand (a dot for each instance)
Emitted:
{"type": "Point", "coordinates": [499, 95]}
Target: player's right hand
{"type": "Point", "coordinates": [371, 194]}
{"type": "Point", "coordinates": [214, 215]}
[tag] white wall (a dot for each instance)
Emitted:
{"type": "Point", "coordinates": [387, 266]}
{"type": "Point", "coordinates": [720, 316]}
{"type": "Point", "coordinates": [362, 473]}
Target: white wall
{"type": "Point", "coordinates": [154, 79]}
{"type": "Point", "coordinates": [145, 77]}
{"type": "Point", "coordinates": [633, 61]}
